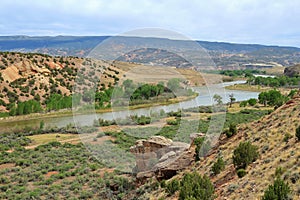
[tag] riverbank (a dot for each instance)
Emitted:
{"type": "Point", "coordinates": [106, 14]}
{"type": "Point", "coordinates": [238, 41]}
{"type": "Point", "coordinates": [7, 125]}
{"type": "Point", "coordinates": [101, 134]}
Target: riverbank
{"type": "Point", "coordinates": [256, 88]}
{"type": "Point", "coordinates": [247, 87]}
{"type": "Point", "coordinates": [85, 117]}
{"type": "Point", "coordinates": [69, 112]}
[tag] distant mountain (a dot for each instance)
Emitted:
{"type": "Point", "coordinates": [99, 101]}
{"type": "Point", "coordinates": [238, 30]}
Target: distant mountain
{"type": "Point", "coordinates": [26, 42]}
{"type": "Point", "coordinates": [223, 54]}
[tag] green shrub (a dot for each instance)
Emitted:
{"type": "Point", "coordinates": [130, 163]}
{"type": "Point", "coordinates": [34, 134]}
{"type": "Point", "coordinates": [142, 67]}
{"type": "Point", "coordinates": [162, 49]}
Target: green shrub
{"type": "Point", "coordinates": [42, 124]}
{"type": "Point", "coordinates": [252, 102]}
{"type": "Point", "coordinates": [196, 187]}
{"type": "Point", "coordinates": [287, 136]}
{"type": "Point", "coordinates": [172, 122]}
{"type": "Point", "coordinates": [278, 190]}
{"type": "Point", "coordinates": [243, 103]}
{"type": "Point", "coordinates": [142, 120]}
{"type": "Point", "coordinates": [218, 166]}
{"type": "Point", "coordinates": [241, 173]}
{"type": "Point", "coordinates": [198, 142]}
{"type": "Point", "coordinates": [232, 130]}
{"type": "Point", "coordinates": [163, 184]}
{"type": "Point", "coordinates": [298, 133]}
{"type": "Point", "coordinates": [244, 154]}
{"type": "Point", "coordinates": [173, 186]}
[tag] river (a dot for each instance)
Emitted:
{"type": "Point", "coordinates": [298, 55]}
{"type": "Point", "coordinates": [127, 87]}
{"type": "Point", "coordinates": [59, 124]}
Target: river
{"type": "Point", "coordinates": [204, 98]}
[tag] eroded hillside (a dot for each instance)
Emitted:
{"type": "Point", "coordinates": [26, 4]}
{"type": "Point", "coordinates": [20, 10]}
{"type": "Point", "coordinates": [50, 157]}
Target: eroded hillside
{"type": "Point", "coordinates": [274, 135]}
{"type": "Point", "coordinates": [31, 76]}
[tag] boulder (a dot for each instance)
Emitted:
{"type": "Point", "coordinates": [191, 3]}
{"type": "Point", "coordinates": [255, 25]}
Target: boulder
{"type": "Point", "coordinates": [161, 157]}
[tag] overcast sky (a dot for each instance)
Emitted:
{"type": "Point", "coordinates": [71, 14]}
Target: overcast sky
{"type": "Point", "coordinates": [242, 21]}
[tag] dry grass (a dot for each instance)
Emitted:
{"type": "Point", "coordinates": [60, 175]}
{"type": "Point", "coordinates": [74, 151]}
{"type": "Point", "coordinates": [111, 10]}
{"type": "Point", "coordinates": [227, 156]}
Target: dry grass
{"type": "Point", "coordinates": [256, 88]}
{"type": "Point", "coordinates": [277, 70]}
{"type": "Point", "coordinates": [90, 138]}
{"type": "Point", "coordinates": [46, 138]}
{"type": "Point", "coordinates": [155, 74]}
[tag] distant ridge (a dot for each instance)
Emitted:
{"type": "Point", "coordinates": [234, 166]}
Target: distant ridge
{"type": "Point", "coordinates": [8, 43]}
{"type": "Point", "coordinates": [224, 54]}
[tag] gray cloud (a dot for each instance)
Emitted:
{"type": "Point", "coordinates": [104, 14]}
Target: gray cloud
{"type": "Point", "coordinates": [243, 21]}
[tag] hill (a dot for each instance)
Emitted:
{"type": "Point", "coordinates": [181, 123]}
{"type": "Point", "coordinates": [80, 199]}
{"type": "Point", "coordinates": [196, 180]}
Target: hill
{"type": "Point", "coordinates": [223, 54]}
{"type": "Point", "coordinates": [29, 76]}
{"type": "Point", "coordinates": [32, 76]}
{"type": "Point", "coordinates": [279, 152]}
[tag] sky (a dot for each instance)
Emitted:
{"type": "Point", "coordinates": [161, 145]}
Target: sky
{"type": "Point", "coordinates": [275, 22]}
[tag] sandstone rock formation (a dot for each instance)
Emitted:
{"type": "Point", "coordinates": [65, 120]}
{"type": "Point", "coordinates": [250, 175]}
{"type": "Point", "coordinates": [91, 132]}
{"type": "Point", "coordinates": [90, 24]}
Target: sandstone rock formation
{"type": "Point", "coordinates": [161, 157]}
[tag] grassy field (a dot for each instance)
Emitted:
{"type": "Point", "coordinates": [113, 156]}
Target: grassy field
{"type": "Point", "coordinates": [52, 137]}
{"type": "Point", "coordinates": [256, 88]}
{"type": "Point", "coordinates": [277, 70]}
{"type": "Point", "coordinates": [155, 74]}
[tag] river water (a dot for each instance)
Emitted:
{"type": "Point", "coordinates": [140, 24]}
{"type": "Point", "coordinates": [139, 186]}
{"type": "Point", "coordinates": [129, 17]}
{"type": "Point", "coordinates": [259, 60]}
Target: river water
{"type": "Point", "coordinates": [204, 98]}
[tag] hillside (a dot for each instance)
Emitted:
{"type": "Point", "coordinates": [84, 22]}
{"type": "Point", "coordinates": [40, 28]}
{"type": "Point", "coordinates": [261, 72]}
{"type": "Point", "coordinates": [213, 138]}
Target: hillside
{"type": "Point", "coordinates": [36, 76]}
{"type": "Point", "coordinates": [226, 55]}
{"type": "Point", "coordinates": [278, 147]}
{"type": "Point", "coordinates": [32, 76]}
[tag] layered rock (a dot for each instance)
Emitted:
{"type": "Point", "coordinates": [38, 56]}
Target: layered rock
{"type": "Point", "coordinates": [161, 157]}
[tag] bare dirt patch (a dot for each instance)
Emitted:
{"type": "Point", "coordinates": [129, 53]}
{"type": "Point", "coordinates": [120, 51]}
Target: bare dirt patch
{"type": "Point", "coordinates": [106, 170]}
{"type": "Point", "coordinates": [51, 173]}
{"type": "Point", "coordinates": [7, 165]}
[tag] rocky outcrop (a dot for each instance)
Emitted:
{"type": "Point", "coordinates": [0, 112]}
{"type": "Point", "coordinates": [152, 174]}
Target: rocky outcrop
{"type": "Point", "coordinates": [14, 72]}
{"type": "Point", "coordinates": [11, 74]}
{"type": "Point", "coordinates": [292, 71]}
{"type": "Point", "coordinates": [53, 65]}
{"type": "Point", "coordinates": [161, 157]}
{"type": "Point", "coordinates": [28, 67]}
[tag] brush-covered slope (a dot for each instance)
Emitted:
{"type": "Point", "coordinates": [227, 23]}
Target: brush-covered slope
{"type": "Point", "coordinates": [274, 135]}
{"type": "Point", "coordinates": [27, 76]}
{"type": "Point", "coordinates": [270, 135]}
